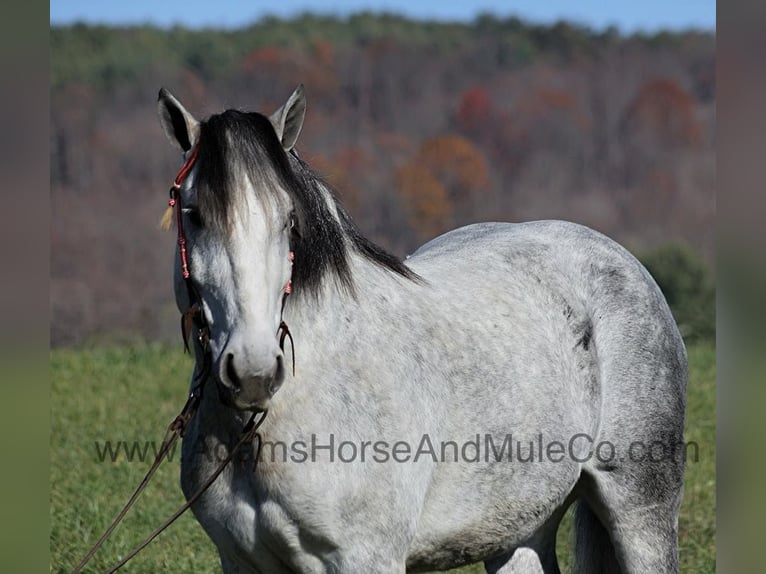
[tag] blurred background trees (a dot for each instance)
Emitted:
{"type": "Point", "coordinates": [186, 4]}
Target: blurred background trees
{"type": "Point", "coordinates": [688, 285]}
{"type": "Point", "coordinates": [421, 127]}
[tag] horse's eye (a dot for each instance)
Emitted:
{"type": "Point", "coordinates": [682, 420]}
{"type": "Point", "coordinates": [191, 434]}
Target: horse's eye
{"type": "Point", "coordinates": [291, 221]}
{"type": "Point", "coordinates": [194, 216]}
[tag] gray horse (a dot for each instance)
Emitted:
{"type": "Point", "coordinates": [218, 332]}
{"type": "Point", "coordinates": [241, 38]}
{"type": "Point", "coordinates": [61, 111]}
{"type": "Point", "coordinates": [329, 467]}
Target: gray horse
{"type": "Point", "coordinates": [444, 410]}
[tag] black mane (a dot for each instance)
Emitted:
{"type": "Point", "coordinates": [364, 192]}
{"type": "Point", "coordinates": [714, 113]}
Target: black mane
{"type": "Point", "coordinates": [234, 141]}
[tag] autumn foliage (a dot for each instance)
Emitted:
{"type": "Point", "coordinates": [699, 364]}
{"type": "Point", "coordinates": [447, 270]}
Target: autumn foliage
{"type": "Point", "coordinates": [428, 200]}
{"type": "Point", "coordinates": [664, 113]}
{"type": "Point", "coordinates": [446, 173]}
{"type": "Point", "coordinates": [419, 126]}
{"type": "Point", "coordinates": [475, 109]}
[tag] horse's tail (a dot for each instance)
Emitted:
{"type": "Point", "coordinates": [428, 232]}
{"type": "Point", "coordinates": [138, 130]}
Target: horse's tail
{"type": "Point", "coordinates": [593, 550]}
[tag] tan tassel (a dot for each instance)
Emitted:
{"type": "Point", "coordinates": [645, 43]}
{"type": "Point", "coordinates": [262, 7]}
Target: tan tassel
{"type": "Point", "coordinates": [167, 219]}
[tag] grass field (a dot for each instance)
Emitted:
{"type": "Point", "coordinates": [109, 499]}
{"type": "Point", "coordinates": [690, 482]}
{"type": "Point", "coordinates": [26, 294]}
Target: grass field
{"type": "Point", "coordinates": [130, 393]}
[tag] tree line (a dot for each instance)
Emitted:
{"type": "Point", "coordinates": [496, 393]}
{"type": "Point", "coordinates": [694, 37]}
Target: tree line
{"type": "Point", "coordinates": [420, 126]}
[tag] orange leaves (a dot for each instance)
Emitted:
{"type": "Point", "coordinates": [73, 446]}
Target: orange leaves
{"type": "Point", "coordinates": [456, 162]}
{"type": "Point", "coordinates": [429, 203]}
{"type": "Point", "coordinates": [665, 112]}
{"type": "Point", "coordinates": [446, 172]}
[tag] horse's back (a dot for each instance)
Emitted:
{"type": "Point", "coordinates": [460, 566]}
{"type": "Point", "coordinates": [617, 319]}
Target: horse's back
{"type": "Point", "coordinates": [582, 265]}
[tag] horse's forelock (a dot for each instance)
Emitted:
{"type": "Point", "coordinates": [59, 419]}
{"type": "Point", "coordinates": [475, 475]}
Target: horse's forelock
{"type": "Point", "coordinates": [233, 144]}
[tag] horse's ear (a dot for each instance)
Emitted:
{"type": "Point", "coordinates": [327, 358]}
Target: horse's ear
{"type": "Point", "coordinates": [288, 120]}
{"type": "Point", "coordinates": [181, 128]}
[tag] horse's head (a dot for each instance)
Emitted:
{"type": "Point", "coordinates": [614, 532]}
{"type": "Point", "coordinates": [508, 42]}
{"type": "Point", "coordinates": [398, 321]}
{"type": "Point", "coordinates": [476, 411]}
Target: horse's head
{"type": "Point", "coordinates": [238, 220]}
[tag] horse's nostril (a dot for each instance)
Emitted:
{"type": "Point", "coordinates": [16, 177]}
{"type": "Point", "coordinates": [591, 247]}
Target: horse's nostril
{"type": "Point", "coordinates": [231, 373]}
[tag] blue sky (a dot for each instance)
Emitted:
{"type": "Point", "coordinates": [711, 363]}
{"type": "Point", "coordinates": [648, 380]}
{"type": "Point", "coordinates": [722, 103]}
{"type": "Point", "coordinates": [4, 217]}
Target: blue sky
{"type": "Point", "coordinates": [627, 15]}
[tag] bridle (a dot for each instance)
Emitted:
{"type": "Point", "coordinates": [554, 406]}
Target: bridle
{"type": "Point", "coordinates": [193, 316]}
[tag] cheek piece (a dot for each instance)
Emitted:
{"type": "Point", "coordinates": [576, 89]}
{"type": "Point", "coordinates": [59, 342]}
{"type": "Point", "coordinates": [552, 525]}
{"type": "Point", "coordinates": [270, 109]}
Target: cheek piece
{"type": "Point", "coordinates": [283, 331]}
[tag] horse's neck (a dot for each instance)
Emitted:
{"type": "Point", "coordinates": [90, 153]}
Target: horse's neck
{"type": "Point", "coordinates": [316, 317]}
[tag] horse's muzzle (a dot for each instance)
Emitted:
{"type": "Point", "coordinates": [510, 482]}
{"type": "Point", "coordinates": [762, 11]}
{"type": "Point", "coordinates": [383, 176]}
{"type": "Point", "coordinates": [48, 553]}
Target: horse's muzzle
{"type": "Point", "coordinates": [245, 388]}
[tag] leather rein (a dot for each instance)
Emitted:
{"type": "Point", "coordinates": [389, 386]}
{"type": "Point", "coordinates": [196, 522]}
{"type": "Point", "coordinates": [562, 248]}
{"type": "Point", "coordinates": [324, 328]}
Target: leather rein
{"type": "Point", "coordinates": [192, 317]}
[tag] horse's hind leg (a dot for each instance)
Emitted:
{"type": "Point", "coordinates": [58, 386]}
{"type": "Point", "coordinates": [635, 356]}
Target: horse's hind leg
{"type": "Point", "coordinates": [646, 540]}
{"type": "Point", "coordinates": [593, 548]}
{"type": "Point", "coordinates": [643, 528]}
{"type": "Point", "coordinates": [633, 480]}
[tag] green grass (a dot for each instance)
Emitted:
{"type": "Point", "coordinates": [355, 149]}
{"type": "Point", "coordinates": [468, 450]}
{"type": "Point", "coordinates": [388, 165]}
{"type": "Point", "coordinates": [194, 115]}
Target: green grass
{"type": "Point", "coordinates": [698, 511]}
{"type": "Point", "coordinates": [130, 393]}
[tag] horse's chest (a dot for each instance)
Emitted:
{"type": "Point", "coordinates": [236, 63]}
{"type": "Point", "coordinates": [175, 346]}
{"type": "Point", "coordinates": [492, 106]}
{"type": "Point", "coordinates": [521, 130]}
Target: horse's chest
{"type": "Point", "coordinates": [225, 509]}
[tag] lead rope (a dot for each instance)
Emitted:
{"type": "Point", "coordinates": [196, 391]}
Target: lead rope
{"type": "Point", "coordinates": [175, 429]}
{"type": "Point", "coordinates": [249, 434]}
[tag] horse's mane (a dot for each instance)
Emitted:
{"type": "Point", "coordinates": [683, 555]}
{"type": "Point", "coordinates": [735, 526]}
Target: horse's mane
{"type": "Point", "coordinates": [324, 235]}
